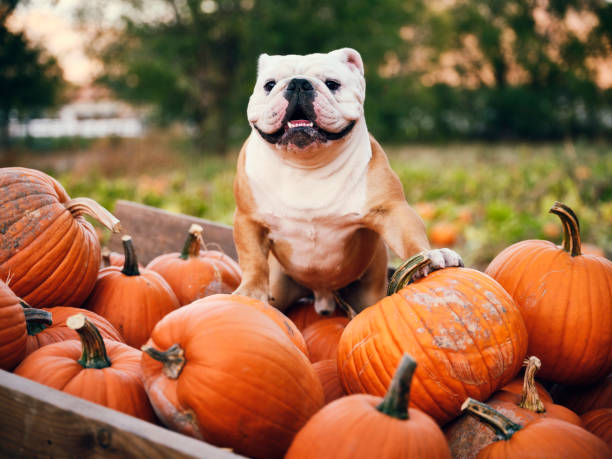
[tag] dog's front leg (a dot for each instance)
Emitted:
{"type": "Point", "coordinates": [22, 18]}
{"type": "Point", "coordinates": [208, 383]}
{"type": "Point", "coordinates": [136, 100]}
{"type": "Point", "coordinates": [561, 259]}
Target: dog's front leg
{"type": "Point", "coordinates": [253, 246]}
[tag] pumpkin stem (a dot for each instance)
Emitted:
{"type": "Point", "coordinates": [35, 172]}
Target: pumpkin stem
{"type": "Point", "coordinates": [405, 273]}
{"type": "Point", "coordinates": [571, 228]}
{"type": "Point", "coordinates": [193, 243]}
{"type": "Point", "coordinates": [80, 206]}
{"type": "Point", "coordinates": [504, 428]}
{"type": "Point", "coordinates": [130, 265]}
{"type": "Point", "coordinates": [395, 403]}
{"type": "Point", "coordinates": [94, 351]}
{"type": "Point", "coordinates": [531, 399]}
{"type": "Point", "coordinates": [173, 359]}
{"type": "Point", "coordinates": [36, 319]}
{"type": "Point", "coordinates": [106, 254]}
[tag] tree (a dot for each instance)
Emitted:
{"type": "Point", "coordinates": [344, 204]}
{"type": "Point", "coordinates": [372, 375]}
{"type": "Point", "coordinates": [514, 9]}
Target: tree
{"type": "Point", "coordinates": [30, 80]}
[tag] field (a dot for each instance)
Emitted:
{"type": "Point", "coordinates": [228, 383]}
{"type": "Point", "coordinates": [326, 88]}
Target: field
{"type": "Point", "coordinates": [482, 197]}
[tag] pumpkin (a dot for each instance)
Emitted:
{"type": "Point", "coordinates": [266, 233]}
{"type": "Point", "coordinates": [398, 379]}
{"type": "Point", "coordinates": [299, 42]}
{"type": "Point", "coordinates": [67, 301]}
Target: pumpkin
{"type": "Point", "coordinates": [363, 425]}
{"type": "Point", "coordinates": [102, 371]}
{"type": "Point", "coordinates": [565, 298]}
{"type": "Point", "coordinates": [302, 313]}
{"type": "Point", "coordinates": [41, 333]}
{"type": "Point", "coordinates": [322, 338]}
{"type": "Point", "coordinates": [224, 372]}
{"type": "Point", "coordinates": [16, 321]}
{"type": "Point", "coordinates": [133, 300]}
{"type": "Point", "coordinates": [48, 250]}
{"type": "Point", "coordinates": [599, 422]}
{"type": "Point", "coordinates": [443, 234]}
{"type": "Point", "coordinates": [584, 398]}
{"type": "Point", "coordinates": [327, 372]}
{"type": "Point", "coordinates": [466, 435]}
{"type": "Point", "coordinates": [460, 324]}
{"type": "Point", "coordinates": [195, 273]}
{"type": "Point", "coordinates": [543, 437]}
{"type": "Point", "coordinates": [110, 258]}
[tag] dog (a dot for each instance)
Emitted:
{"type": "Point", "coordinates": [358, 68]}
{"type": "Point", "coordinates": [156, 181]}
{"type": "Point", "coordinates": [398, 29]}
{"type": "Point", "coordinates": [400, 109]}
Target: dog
{"type": "Point", "coordinates": [316, 199]}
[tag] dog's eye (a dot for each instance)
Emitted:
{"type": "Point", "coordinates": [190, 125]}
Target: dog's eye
{"type": "Point", "coordinates": [269, 85]}
{"type": "Point", "coordinates": [332, 85]}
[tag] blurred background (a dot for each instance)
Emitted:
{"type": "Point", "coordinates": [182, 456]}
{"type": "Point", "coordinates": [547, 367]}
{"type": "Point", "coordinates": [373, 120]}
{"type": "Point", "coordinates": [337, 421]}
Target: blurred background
{"type": "Point", "coordinates": [489, 110]}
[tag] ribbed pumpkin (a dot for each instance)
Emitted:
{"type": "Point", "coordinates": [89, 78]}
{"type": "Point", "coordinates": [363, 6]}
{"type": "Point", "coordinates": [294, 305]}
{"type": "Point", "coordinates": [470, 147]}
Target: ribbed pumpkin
{"type": "Point", "coordinates": [322, 338]}
{"type": "Point", "coordinates": [467, 435]}
{"type": "Point", "coordinates": [15, 325]}
{"type": "Point", "coordinates": [599, 422]}
{"type": "Point", "coordinates": [363, 425]}
{"type": "Point", "coordinates": [581, 399]}
{"type": "Point", "coordinates": [302, 313]}
{"type": "Point", "coordinates": [195, 273]}
{"type": "Point", "coordinates": [133, 300]}
{"type": "Point", "coordinates": [541, 438]}
{"type": "Point", "coordinates": [224, 372]}
{"type": "Point", "coordinates": [459, 324]}
{"type": "Point", "coordinates": [327, 372]}
{"type": "Point", "coordinates": [47, 248]}
{"type": "Point", "coordinates": [102, 371]}
{"type": "Point", "coordinates": [40, 333]}
{"type": "Point", "coordinates": [566, 300]}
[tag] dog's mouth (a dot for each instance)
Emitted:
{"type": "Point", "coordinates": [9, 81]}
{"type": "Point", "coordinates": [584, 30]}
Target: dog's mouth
{"type": "Point", "coordinates": [299, 129]}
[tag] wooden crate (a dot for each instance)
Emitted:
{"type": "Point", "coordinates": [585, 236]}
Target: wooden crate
{"type": "Point", "coordinates": [37, 421]}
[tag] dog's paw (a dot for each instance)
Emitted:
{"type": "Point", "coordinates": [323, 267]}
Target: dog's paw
{"type": "Point", "coordinates": [440, 258]}
{"type": "Point", "coordinates": [255, 293]}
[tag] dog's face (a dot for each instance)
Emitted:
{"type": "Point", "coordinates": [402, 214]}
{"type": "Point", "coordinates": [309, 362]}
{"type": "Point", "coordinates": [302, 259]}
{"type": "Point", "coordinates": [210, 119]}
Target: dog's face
{"type": "Point", "coordinates": [303, 102]}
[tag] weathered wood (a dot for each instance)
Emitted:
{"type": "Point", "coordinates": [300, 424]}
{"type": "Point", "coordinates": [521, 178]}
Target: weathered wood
{"type": "Point", "coordinates": [37, 421]}
{"type": "Point", "coordinates": [156, 231]}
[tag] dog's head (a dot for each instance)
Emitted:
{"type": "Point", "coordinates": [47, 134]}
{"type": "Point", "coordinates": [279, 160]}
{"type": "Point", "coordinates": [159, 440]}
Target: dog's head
{"type": "Point", "coordinates": [301, 102]}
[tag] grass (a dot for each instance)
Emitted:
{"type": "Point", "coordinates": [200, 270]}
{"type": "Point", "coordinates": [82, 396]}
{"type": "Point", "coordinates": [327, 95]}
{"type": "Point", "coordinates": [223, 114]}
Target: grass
{"type": "Point", "coordinates": [489, 195]}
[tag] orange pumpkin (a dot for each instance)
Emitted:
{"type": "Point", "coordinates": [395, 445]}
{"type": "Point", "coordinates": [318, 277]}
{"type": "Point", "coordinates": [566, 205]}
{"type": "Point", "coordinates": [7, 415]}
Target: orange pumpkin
{"type": "Point", "coordinates": [462, 327]}
{"type": "Point", "coordinates": [586, 398]}
{"type": "Point", "coordinates": [17, 320]}
{"type": "Point", "coordinates": [133, 300]}
{"type": "Point", "coordinates": [443, 234]}
{"type": "Point", "coordinates": [543, 437]}
{"type": "Point", "coordinates": [364, 425]}
{"type": "Point", "coordinates": [327, 372]}
{"type": "Point", "coordinates": [47, 248]}
{"type": "Point", "coordinates": [302, 313]}
{"type": "Point", "coordinates": [195, 273]}
{"type": "Point", "coordinates": [103, 372]}
{"type": "Point", "coordinates": [322, 338]}
{"type": "Point", "coordinates": [599, 422]}
{"type": "Point", "coordinates": [224, 372]}
{"type": "Point", "coordinates": [41, 334]}
{"type": "Point", "coordinates": [566, 300]}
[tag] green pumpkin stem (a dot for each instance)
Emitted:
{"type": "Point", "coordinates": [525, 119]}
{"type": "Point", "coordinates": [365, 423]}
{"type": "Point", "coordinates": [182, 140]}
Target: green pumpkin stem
{"type": "Point", "coordinates": [531, 399]}
{"type": "Point", "coordinates": [404, 275]}
{"type": "Point", "coordinates": [504, 428]}
{"type": "Point", "coordinates": [395, 403]}
{"type": "Point", "coordinates": [173, 359]}
{"type": "Point", "coordinates": [130, 265]}
{"type": "Point", "coordinates": [36, 319]}
{"type": "Point", "coordinates": [86, 206]}
{"type": "Point", "coordinates": [193, 243]}
{"type": "Point", "coordinates": [571, 228]}
{"type": "Point", "coordinates": [94, 351]}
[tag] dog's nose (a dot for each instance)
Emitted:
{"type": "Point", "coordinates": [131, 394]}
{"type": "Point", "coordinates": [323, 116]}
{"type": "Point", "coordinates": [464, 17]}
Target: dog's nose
{"type": "Point", "coordinates": [299, 83]}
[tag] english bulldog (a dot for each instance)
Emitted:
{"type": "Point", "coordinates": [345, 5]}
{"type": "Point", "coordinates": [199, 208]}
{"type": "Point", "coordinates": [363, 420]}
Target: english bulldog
{"type": "Point", "coordinates": [316, 199]}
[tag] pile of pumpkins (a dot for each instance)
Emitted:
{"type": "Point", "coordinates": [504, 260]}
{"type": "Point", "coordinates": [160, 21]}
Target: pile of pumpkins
{"type": "Point", "coordinates": [434, 369]}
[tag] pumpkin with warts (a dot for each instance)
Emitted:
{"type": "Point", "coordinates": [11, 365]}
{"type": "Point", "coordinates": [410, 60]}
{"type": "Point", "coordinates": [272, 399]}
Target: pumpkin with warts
{"type": "Point", "coordinates": [467, 435]}
{"type": "Point", "coordinates": [542, 437]}
{"type": "Point", "coordinates": [565, 298]}
{"type": "Point", "coordinates": [48, 251]}
{"type": "Point", "coordinates": [132, 299]}
{"type": "Point", "coordinates": [462, 327]}
{"type": "Point", "coordinates": [225, 373]}
{"type": "Point", "coordinates": [195, 273]}
{"type": "Point", "coordinates": [363, 425]}
{"type": "Point", "coordinates": [102, 371]}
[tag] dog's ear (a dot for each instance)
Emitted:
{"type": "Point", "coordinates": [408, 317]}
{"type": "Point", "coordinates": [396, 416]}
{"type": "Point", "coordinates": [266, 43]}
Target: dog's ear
{"type": "Point", "coordinates": [262, 62]}
{"type": "Point", "coordinates": [350, 57]}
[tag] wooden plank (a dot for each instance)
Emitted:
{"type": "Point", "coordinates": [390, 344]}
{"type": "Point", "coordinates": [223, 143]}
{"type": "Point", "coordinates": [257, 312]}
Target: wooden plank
{"type": "Point", "coordinates": [37, 421]}
{"type": "Point", "coordinates": [156, 231]}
